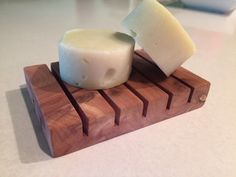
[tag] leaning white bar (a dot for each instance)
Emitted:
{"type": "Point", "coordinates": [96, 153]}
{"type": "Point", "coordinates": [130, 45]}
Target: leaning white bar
{"type": "Point", "coordinates": [158, 32]}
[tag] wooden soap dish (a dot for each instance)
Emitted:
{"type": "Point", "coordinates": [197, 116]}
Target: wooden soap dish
{"type": "Point", "coordinates": [74, 118]}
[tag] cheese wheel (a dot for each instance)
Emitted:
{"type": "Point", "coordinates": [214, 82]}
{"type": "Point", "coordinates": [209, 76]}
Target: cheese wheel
{"type": "Point", "coordinates": [95, 59]}
{"type": "Point", "coordinates": [159, 33]}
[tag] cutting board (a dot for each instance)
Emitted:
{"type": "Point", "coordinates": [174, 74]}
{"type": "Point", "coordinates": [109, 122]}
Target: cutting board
{"type": "Point", "coordinates": [73, 118]}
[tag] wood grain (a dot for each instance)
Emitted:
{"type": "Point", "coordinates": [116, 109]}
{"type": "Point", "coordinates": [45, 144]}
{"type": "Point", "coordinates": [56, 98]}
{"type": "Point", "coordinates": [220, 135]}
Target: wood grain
{"type": "Point", "coordinates": [199, 87]}
{"type": "Point", "coordinates": [98, 116]}
{"type": "Point", "coordinates": [178, 92]}
{"type": "Point", "coordinates": [130, 107]}
{"type": "Point", "coordinates": [73, 118]}
{"type": "Point", "coordinates": [60, 122]}
{"type": "Point", "coordinates": [155, 100]}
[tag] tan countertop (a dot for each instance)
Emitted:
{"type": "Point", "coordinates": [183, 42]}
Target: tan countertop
{"type": "Point", "coordinates": [199, 143]}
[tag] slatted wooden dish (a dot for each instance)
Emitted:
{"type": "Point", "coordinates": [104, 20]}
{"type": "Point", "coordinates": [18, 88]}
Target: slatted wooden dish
{"type": "Point", "coordinates": [74, 118]}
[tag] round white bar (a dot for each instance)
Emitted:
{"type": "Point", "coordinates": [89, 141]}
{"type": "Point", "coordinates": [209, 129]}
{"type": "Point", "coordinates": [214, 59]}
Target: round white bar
{"type": "Point", "coordinates": [95, 59]}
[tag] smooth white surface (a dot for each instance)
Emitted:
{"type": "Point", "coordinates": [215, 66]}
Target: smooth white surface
{"type": "Point", "coordinates": [160, 34]}
{"type": "Point", "coordinates": [201, 143]}
{"type": "Point", "coordinates": [95, 59]}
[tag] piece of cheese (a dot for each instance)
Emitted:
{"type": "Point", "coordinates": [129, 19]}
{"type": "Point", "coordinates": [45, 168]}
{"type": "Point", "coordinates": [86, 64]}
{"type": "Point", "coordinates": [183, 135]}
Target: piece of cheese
{"type": "Point", "coordinates": [95, 59]}
{"type": "Point", "coordinates": [159, 33]}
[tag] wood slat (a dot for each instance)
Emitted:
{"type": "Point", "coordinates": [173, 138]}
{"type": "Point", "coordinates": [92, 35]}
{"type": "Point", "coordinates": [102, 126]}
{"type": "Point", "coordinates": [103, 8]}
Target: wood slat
{"type": "Point", "coordinates": [200, 87]}
{"type": "Point", "coordinates": [97, 115]}
{"type": "Point", "coordinates": [129, 107]}
{"type": "Point", "coordinates": [178, 92]}
{"type": "Point", "coordinates": [155, 100]}
{"type": "Point", "coordinates": [60, 122]}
